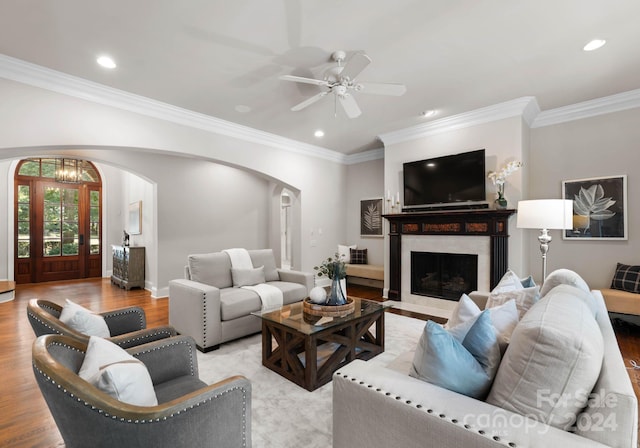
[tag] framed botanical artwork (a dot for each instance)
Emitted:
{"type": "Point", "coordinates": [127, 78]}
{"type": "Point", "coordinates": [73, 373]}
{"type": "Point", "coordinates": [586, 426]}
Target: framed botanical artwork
{"type": "Point", "coordinates": [599, 208]}
{"type": "Point", "coordinates": [371, 217]}
{"type": "Point", "coordinates": [135, 218]}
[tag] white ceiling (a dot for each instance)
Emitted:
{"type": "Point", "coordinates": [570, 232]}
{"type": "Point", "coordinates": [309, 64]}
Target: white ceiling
{"type": "Point", "coordinates": [210, 56]}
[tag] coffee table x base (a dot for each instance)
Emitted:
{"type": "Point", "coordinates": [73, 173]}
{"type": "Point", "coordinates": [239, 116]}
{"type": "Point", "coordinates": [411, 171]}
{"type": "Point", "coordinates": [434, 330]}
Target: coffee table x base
{"type": "Point", "coordinates": [310, 360]}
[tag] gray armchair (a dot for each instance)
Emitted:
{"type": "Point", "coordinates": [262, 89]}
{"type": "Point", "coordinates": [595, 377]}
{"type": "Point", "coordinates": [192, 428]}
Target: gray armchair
{"type": "Point", "coordinates": [189, 413]}
{"type": "Point", "coordinates": [127, 325]}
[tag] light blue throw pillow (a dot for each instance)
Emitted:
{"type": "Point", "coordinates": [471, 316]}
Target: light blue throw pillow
{"type": "Point", "coordinates": [468, 367]}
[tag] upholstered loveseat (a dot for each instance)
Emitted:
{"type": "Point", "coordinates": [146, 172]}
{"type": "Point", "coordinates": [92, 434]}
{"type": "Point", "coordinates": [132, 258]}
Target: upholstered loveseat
{"type": "Point", "coordinates": [416, 413]}
{"type": "Point", "coordinates": [207, 306]}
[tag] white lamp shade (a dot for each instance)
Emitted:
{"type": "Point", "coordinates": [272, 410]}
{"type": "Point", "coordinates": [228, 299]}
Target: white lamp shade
{"type": "Point", "coordinates": [545, 214]}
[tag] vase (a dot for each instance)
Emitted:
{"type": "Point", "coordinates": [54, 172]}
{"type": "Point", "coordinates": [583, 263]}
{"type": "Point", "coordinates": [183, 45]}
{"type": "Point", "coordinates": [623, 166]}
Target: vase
{"type": "Point", "coordinates": [501, 202]}
{"type": "Point", "coordinates": [336, 296]}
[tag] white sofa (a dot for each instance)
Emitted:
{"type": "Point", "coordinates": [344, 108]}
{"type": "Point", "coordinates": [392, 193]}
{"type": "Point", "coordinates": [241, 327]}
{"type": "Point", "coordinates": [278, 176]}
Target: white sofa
{"type": "Point", "coordinates": [384, 407]}
{"type": "Point", "coordinates": [206, 305]}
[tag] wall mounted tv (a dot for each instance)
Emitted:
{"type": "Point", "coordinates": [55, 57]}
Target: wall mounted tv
{"type": "Point", "coordinates": [452, 180]}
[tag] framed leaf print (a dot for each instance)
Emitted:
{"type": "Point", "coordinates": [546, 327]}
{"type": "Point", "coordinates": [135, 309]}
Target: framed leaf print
{"type": "Point", "coordinates": [371, 217]}
{"type": "Point", "coordinates": [599, 208]}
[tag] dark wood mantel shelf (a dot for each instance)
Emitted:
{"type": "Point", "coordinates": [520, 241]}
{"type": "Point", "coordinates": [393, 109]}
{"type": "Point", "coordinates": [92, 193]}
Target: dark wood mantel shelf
{"type": "Point", "coordinates": [493, 224]}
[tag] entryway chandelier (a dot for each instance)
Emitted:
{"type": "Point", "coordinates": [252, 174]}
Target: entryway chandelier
{"type": "Point", "coordinates": [69, 171]}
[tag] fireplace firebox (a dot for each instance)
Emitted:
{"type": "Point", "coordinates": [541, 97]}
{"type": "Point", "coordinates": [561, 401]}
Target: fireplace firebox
{"type": "Point", "coordinates": [443, 275]}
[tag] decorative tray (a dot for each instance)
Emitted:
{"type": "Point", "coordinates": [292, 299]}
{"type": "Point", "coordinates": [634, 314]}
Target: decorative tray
{"type": "Point", "coordinates": [329, 310]}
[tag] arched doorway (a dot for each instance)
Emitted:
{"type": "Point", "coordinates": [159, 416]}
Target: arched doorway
{"type": "Point", "coordinates": [57, 224]}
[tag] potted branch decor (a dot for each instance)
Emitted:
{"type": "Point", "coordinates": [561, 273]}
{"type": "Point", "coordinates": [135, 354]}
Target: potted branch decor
{"type": "Point", "coordinates": [336, 270]}
{"type": "Point", "coordinates": [337, 303]}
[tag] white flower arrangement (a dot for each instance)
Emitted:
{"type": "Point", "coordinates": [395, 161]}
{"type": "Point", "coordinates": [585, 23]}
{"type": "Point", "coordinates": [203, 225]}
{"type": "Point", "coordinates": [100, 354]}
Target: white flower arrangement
{"type": "Point", "coordinates": [500, 177]}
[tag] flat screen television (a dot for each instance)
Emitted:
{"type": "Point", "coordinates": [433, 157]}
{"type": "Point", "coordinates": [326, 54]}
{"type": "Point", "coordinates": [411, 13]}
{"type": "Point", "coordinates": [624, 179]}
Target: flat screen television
{"type": "Point", "coordinates": [457, 179]}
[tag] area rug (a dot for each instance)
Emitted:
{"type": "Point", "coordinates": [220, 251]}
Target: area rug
{"type": "Point", "coordinates": [285, 415]}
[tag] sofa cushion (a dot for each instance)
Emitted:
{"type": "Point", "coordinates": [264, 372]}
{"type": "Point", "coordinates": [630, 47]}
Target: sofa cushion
{"type": "Point", "coordinates": [212, 269]}
{"type": "Point", "coordinates": [115, 372]}
{"type": "Point", "coordinates": [524, 298]}
{"type": "Point", "coordinates": [238, 302]}
{"type": "Point", "coordinates": [504, 319]}
{"type": "Point", "coordinates": [83, 320]}
{"type": "Point", "coordinates": [509, 282]}
{"type": "Point", "coordinates": [553, 360]}
{"type": "Point", "coordinates": [468, 367]}
{"type": "Point", "coordinates": [626, 278]}
{"type": "Point", "coordinates": [247, 277]}
{"type": "Point", "coordinates": [291, 292]}
{"type": "Point", "coordinates": [265, 257]}
{"type": "Point", "coordinates": [563, 277]}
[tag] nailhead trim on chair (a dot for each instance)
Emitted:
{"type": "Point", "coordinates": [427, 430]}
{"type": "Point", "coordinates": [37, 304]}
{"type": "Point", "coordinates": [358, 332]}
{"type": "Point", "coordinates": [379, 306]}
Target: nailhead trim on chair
{"type": "Point", "coordinates": [139, 338]}
{"type": "Point", "coordinates": [156, 420]}
{"type": "Point", "coordinates": [147, 336]}
{"type": "Point", "coordinates": [124, 312]}
{"type": "Point", "coordinates": [45, 324]}
{"type": "Point", "coordinates": [181, 341]}
{"type": "Point", "coordinates": [420, 406]}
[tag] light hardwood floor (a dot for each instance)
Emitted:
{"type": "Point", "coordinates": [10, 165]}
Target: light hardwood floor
{"type": "Point", "coordinates": [25, 420]}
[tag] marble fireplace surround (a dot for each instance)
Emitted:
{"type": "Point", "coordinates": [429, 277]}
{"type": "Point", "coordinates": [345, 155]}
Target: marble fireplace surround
{"type": "Point", "coordinates": [484, 232]}
{"type": "Point", "coordinates": [474, 245]}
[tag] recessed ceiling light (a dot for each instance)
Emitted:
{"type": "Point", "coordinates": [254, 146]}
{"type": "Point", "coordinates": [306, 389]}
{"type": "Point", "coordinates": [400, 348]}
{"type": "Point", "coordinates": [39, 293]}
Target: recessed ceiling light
{"type": "Point", "coordinates": [428, 113]}
{"type": "Point", "coordinates": [594, 44]}
{"type": "Point", "coordinates": [319, 133]}
{"type": "Point", "coordinates": [243, 109]}
{"type": "Point", "coordinates": [106, 62]}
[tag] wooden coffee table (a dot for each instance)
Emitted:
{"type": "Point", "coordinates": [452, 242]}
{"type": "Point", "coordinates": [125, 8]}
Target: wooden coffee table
{"type": "Point", "coordinates": [308, 349]}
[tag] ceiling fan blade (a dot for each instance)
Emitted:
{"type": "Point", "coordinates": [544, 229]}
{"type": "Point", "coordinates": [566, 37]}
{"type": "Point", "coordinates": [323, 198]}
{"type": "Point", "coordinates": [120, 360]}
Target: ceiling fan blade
{"type": "Point", "coordinates": [378, 88]}
{"type": "Point", "coordinates": [350, 106]}
{"type": "Point", "coordinates": [309, 101]}
{"type": "Point", "coordinates": [355, 65]}
{"type": "Point", "coordinates": [316, 82]}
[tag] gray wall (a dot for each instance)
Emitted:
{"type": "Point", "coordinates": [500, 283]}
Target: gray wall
{"type": "Point", "coordinates": [605, 145]}
{"type": "Point", "coordinates": [364, 181]}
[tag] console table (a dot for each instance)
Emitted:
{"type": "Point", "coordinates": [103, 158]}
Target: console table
{"type": "Point", "coordinates": [475, 222]}
{"type": "Point", "coordinates": [128, 267]}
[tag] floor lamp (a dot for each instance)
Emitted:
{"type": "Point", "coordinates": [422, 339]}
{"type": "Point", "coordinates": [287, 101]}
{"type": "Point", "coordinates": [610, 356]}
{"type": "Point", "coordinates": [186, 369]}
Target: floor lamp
{"type": "Point", "coordinates": [545, 214]}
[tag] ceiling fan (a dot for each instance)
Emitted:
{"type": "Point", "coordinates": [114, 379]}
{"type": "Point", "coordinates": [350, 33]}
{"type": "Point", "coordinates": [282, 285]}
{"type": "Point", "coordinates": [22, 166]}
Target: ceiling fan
{"type": "Point", "coordinates": [341, 82]}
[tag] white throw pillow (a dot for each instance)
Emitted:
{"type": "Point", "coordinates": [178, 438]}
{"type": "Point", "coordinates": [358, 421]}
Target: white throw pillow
{"type": "Point", "coordinates": [247, 277]}
{"type": "Point", "coordinates": [504, 318]}
{"type": "Point", "coordinates": [344, 252]}
{"type": "Point", "coordinates": [115, 372]}
{"type": "Point", "coordinates": [553, 361]}
{"type": "Point", "coordinates": [509, 282]}
{"type": "Point", "coordinates": [524, 298]}
{"type": "Point", "coordinates": [563, 277]}
{"type": "Point", "coordinates": [83, 320]}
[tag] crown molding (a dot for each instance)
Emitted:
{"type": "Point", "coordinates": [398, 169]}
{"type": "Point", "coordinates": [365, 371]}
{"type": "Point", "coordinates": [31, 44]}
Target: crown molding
{"type": "Point", "coordinates": [508, 109]}
{"type": "Point", "coordinates": [365, 156]}
{"type": "Point", "coordinates": [42, 77]}
{"type": "Point", "coordinates": [586, 109]}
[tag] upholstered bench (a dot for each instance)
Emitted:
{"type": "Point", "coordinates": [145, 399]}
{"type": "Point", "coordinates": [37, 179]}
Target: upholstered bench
{"type": "Point", "coordinates": [367, 274]}
{"type": "Point", "coordinates": [623, 302]}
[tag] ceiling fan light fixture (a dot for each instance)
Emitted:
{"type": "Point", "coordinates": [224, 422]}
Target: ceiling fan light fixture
{"type": "Point", "coordinates": [319, 133]}
{"type": "Point", "coordinates": [106, 62]}
{"type": "Point", "coordinates": [594, 44]}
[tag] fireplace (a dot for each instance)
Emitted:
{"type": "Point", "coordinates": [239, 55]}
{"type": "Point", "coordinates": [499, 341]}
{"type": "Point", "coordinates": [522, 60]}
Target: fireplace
{"type": "Point", "coordinates": [443, 275]}
{"type": "Point", "coordinates": [487, 224]}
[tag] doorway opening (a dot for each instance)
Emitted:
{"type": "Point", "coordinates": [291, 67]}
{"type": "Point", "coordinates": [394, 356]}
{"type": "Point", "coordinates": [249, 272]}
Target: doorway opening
{"type": "Point", "coordinates": [285, 229]}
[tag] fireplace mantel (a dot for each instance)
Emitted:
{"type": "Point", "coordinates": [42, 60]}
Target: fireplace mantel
{"type": "Point", "coordinates": [493, 224]}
